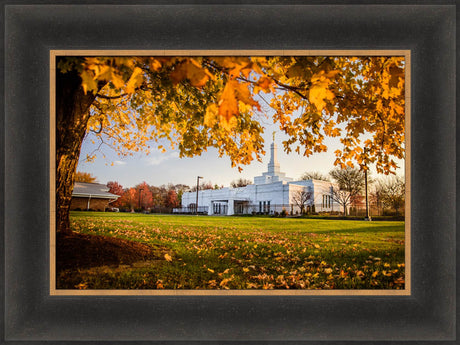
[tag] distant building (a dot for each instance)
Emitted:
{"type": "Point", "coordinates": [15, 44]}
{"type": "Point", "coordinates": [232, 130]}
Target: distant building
{"type": "Point", "coordinates": [271, 192]}
{"type": "Point", "coordinates": [91, 196]}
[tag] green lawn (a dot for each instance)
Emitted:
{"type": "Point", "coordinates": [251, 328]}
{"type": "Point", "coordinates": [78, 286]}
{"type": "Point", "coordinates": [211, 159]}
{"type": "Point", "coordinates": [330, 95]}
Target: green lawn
{"type": "Point", "coordinates": [246, 253]}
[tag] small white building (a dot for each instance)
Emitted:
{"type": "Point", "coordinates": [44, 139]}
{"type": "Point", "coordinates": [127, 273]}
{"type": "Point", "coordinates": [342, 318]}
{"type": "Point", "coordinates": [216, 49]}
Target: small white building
{"type": "Point", "coordinates": [271, 192]}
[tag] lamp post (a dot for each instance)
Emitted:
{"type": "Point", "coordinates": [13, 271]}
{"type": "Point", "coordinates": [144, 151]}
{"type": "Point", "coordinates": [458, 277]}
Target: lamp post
{"type": "Point", "coordinates": [197, 188]}
{"type": "Point", "coordinates": [368, 217]}
{"type": "Point", "coordinates": [140, 193]}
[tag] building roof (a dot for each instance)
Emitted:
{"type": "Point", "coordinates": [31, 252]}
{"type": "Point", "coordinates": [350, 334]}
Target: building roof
{"type": "Point", "coordinates": [93, 190]}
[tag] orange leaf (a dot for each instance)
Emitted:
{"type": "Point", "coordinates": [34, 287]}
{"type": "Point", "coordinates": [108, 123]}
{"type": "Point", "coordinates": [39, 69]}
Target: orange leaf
{"type": "Point", "coordinates": [228, 104]}
{"type": "Point", "coordinates": [191, 70]}
{"type": "Point", "coordinates": [264, 83]}
{"type": "Point", "coordinates": [243, 94]}
{"type": "Point", "coordinates": [135, 80]}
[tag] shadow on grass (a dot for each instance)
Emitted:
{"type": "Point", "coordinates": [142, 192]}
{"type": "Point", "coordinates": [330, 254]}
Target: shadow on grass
{"type": "Point", "coordinates": [75, 251]}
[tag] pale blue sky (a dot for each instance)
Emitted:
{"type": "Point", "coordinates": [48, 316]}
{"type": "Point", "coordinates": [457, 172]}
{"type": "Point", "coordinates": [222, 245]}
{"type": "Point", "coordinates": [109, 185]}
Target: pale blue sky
{"type": "Point", "coordinates": [162, 168]}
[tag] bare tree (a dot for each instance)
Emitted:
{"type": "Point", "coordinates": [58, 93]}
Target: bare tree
{"type": "Point", "coordinates": [391, 192]}
{"type": "Point", "coordinates": [301, 198]}
{"type": "Point", "coordinates": [203, 186]}
{"type": "Point", "coordinates": [350, 183]}
{"type": "Point", "coordinates": [241, 182]}
{"type": "Point", "coordinates": [343, 197]}
{"type": "Point", "coordinates": [314, 175]}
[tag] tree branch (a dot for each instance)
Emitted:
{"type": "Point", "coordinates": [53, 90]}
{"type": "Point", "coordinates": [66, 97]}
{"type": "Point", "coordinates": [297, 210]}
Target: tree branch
{"type": "Point", "coordinates": [111, 97]}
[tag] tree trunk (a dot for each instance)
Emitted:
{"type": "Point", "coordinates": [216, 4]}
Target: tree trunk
{"type": "Point", "coordinates": [72, 114]}
{"type": "Point", "coordinates": [345, 210]}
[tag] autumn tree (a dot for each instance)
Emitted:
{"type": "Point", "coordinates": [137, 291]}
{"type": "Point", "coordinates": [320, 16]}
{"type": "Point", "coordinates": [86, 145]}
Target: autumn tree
{"type": "Point", "coordinates": [117, 189]}
{"type": "Point", "coordinates": [203, 186]}
{"type": "Point", "coordinates": [301, 198]}
{"type": "Point", "coordinates": [171, 199]}
{"type": "Point", "coordinates": [158, 195]}
{"type": "Point", "coordinates": [144, 196]}
{"type": "Point", "coordinates": [194, 103]}
{"type": "Point", "coordinates": [349, 185]}
{"type": "Point", "coordinates": [84, 177]}
{"type": "Point", "coordinates": [314, 175]}
{"type": "Point", "coordinates": [180, 189]}
{"type": "Point", "coordinates": [128, 199]}
{"type": "Point", "coordinates": [241, 182]}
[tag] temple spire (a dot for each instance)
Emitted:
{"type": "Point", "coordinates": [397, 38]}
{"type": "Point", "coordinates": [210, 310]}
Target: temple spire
{"type": "Point", "coordinates": [274, 173]}
{"type": "Point", "coordinates": [273, 165]}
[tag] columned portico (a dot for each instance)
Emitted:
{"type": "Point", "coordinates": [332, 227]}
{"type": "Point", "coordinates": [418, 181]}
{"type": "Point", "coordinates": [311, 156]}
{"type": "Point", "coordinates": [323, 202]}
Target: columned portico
{"type": "Point", "coordinates": [218, 207]}
{"type": "Point", "coordinates": [228, 206]}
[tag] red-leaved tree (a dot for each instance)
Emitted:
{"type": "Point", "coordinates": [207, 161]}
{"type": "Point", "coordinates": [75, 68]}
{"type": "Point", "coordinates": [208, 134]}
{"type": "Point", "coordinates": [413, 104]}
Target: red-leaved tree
{"type": "Point", "coordinates": [117, 189]}
{"type": "Point", "coordinates": [171, 199]}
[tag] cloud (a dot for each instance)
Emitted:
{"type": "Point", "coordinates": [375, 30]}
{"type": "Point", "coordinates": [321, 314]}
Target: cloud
{"type": "Point", "coordinates": [157, 160]}
{"type": "Point", "coordinates": [119, 163]}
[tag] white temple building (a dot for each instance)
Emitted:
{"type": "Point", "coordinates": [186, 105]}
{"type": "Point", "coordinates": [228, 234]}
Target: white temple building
{"type": "Point", "coordinates": [271, 192]}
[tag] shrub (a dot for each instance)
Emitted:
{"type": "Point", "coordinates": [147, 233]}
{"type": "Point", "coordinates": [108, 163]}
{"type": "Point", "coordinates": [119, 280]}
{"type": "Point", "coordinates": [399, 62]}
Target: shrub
{"type": "Point", "coordinates": [283, 213]}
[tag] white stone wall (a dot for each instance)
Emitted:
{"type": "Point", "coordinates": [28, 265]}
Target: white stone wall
{"type": "Point", "coordinates": [272, 187]}
{"type": "Point", "coordinates": [277, 193]}
{"type": "Point", "coordinates": [323, 198]}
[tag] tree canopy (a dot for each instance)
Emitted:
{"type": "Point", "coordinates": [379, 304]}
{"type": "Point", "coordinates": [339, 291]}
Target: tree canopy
{"type": "Point", "coordinates": [81, 176]}
{"type": "Point", "coordinates": [241, 182]}
{"type": "Point", "coordinates": [314, 175]}
{"type": "Point", "coordinates": [192, 103]}
{"type": "Point", "coordinates": [390, 192]}
{"type": "Point", "coordinates": [198, 102]}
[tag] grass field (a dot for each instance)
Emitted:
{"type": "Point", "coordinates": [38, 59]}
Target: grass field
{"type": "Point", "coordinates": [208, 252]}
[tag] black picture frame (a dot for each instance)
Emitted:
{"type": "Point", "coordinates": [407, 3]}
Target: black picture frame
{"type": "Point", "coordinates": [33, 28]}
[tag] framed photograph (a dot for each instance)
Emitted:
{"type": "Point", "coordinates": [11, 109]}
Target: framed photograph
{"type": "Point", "coordinates": [288, 236]}
{"type": "Point", "coordinates": [279, 252]}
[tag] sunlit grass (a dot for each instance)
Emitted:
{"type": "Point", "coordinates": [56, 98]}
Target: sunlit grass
{"type": "Point", "coordinates": [247, 253]}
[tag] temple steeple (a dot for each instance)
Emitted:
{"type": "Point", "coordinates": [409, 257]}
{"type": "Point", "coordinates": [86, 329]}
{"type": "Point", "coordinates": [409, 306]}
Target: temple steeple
{"type": "Point", "coordinates": [273, 165]}
{"type": "Point", "coordinates": [274, 173]}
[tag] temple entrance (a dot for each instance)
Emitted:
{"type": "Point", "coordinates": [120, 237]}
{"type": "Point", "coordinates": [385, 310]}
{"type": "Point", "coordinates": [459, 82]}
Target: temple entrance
{"type": "Point", "coordinates": [241, 207]}
{"type": "Point", "coordinates": [219, 208]}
